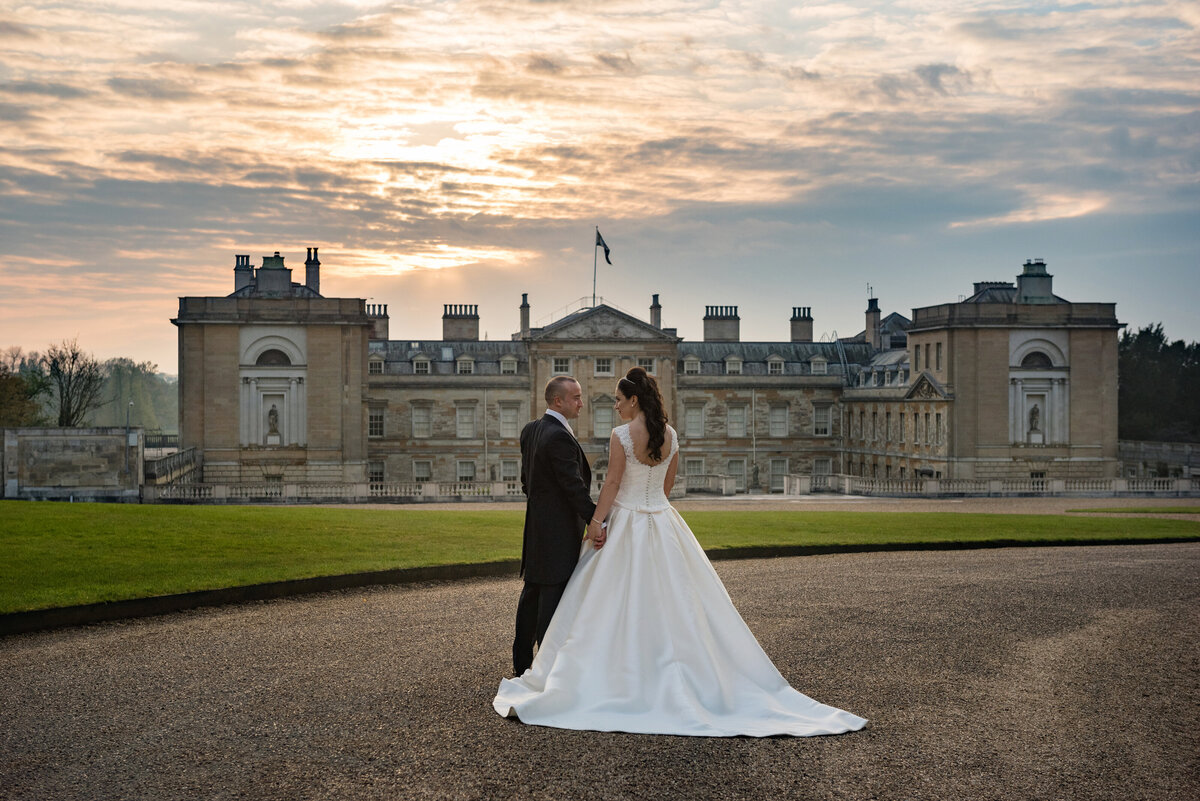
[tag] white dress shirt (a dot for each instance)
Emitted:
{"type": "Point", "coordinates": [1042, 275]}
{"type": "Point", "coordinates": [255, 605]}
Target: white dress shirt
{"type": "Point", "coordinates": [562, 420]}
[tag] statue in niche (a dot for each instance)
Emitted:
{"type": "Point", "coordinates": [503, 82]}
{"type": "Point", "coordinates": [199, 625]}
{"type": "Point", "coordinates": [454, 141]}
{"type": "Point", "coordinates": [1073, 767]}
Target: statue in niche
{"type": "Point", "coordinates": [273, 420]}
{"type": "Point", "coordinates": [1035, 416]}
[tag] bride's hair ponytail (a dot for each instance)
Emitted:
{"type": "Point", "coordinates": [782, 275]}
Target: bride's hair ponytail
{"type": "Point", "coordinates": [640, 384]}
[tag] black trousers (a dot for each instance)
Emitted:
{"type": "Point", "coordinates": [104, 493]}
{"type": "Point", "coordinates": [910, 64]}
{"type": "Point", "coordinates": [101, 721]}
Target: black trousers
{"type": "Point", "coordinates": [534, 610]}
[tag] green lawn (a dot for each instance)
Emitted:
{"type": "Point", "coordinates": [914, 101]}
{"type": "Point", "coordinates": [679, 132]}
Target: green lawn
{"type": "Point", "coordinates": [56, 554]}
{"type": "Point", "coordinates": [1144, 510]}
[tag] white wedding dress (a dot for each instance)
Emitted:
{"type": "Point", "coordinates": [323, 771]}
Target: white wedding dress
{"type": "Point", "coordinates": [646, 639]}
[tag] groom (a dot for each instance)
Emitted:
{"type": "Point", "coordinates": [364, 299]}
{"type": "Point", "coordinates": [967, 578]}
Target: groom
{"type": "Point", "coordinates": [556, 480]}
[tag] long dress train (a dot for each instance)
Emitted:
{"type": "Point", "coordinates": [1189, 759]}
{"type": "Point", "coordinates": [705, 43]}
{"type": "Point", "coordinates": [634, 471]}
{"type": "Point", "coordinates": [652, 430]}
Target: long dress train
{"type": "Point", "coordinates": [647, 640]}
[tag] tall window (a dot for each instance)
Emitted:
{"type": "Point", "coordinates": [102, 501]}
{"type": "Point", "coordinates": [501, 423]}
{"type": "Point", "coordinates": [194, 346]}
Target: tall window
{"type": "Point", "coordinates": [422, 470]}
{"type": "Point", "coordinates": [510, 470]}
{"type": "Point", "coordinates": [736, 421]}
{"type": "Point", "coordinates": [464, 421]}
{"type": "Point", "coordinates": [646, 364]}
{"type": "Point", "coordinates": [778, 421]}
{"type": "Point", "coordinates": [822, 467]}
{"type": "Point", "coordinates": [937, 433]}
{"type": "Point", "coordinates": [916, 358]}
{"type": "Point", "coordinates": [887, 427]}
{"type": "Point", "coordinates": [691, 366]}
{"type": "Point", "coordinates": [562, 365]}
{"type": "Point", "coordinates": [422, 421]}
{"type": "Point", "coordinates": [821, 415]}
{"type": "Point", "coordinates": [693, 466]}
{"type": "Point", "coordinates": [779, 469]}
{"type": "Point", "coordinates": [939, 355]}
{"type": "Point", "coordinates": [862, 426]}
{"type": "Point", "coordinates": [375, 423]}
{"type": "Point", "coordinates": [874, 426]}
{"type": "Point", "coordinates": [466, 470]}
{"type": "Point", "coordinates": [928, 363]}
{"type": "Point", "coordinates": [902, 424]}
{"type": "Point", "coordinates": [602, 421]}
{"type": "Point", "coordinates": [693, 421]}
{"type": "Point", "coordinates": [737, 469]}
{"type": "Point", "coordinates": [375, 472]}
{"type": "Point", "coordinates": [928, 430]}
{"type": "Point", "coordinates": [603, 365]}
{"type": "Point", "coordinates": [421, 366]}
{"type": "Point", "coordinates": [508, 419]}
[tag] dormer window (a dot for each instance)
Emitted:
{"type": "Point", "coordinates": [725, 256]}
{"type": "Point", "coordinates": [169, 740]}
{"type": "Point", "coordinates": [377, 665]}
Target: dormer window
{"type": "Point", "coordinates": [375, 367]}
{"type": "Point", "coordinates": [691, 366]}
{"type": "Point", "coordinates": [733, 366]}
{"type": "Point", "coordinates": [508, 365]}
{"type": "Point", "coordinates": [421, 365]}
{"type": "Point", "coordinates": [819, 366]}
{"type": "Point", "coordinates": [775, 365]}
{"type": "Point", "coordinates": [465, 365]}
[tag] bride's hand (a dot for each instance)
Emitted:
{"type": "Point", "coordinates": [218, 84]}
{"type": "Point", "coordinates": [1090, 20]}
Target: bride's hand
{"type": "Point", "coordinates": [596, 533]}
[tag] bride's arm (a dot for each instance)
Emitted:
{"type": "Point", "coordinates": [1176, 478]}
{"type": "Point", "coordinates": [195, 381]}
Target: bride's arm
{"type": "Point", "coordinates": [612, 482]}
{"type": "Point", "coordinates": [669, 481]}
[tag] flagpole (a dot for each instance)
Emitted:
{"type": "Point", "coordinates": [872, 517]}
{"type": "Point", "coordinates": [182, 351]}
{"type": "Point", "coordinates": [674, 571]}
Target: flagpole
{"type": "Point", "coordinates": [595, 244]}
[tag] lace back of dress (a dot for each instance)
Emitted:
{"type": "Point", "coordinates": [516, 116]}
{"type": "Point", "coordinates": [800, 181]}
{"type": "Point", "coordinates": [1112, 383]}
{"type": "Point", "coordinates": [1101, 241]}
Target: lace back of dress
{"type": "Point", "coordinates": [642, 484]}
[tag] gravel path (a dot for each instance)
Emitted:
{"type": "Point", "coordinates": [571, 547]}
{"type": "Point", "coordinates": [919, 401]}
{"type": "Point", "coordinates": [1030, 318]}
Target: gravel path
{"type": "Point", "coordinates": [1039, 673]}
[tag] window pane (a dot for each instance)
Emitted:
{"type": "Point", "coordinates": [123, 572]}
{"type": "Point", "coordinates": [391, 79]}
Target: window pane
{"type": "Point", "coordinates": [466, 367]}
{"type": "Point", "coordinates": [602, 421]}
{"type": "Point", "coordinates": [375, 423]}
{"type": "Point", "coordinates": [464, 419]}
{"type": "Point", "coordinates": [508, 366]}
{"type": "Point", "coordinates": [422, 471]}
{"type": "Point", "coordinates": [422, 421]}
{"type": "Point", "coordinates": [693, 423]}
{"type": "Point", "coordinates": [737, 421]}
{"type": "Point", "coordinates": [421, 366]}
{"type": "Point", "coordinates": [733, 367]}
{"type": "Point", "coordinates": [691, 367]}
{"type": "Point", "coordinates": [466, 471]}
{"type": "Point", "coordinates": [561, 365]}
{"type": "Point", "coordinates": [603, 366]}
{"type": "Point", "coordinates": [647, 365]}
{"type": "Point", "coordinates": [375, 367]}
{"type": "Point", "coordinates": [775, 367]}
{"type": "Point", "coordinates": [508, 421]}
{"type": "Point", "coordinates": [509, 470]}
{"type": "Point", "coordinates": [778, 421]}
{"type": "Point", "coordinates": [375, 472]}
{"type": "Point", "coordinates": [693, 467]}
{"type": "Point", "coordinates": [821, 421]}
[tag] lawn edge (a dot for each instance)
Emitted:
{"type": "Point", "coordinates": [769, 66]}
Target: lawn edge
{"type": "Point", "coordinates": [13, 623]}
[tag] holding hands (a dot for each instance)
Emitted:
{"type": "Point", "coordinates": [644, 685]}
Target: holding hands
{"type": "Point", "coordinates": [597, 533]}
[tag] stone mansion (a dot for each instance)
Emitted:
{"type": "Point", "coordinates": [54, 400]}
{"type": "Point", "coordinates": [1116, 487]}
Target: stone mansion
{"type": "Point", "coordinates": [281, 384]}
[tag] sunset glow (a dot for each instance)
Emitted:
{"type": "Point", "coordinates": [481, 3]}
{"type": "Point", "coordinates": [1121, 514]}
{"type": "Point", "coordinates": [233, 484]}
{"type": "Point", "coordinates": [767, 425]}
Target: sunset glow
{"type": "Point", "coordinates": [765, 154]}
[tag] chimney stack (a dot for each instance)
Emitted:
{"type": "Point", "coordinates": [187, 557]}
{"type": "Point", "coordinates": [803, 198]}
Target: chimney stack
{"type": "Point", "coordinates": [1033, 284]}
{"type": "Point", "coordinates": [524, 314]}
{"type": "Point", "coordinates": [655, 312]}
{"type": "Point", "coordinates": [273, 278]}
{"type": "Point", "coordinates": [802, 324]}
{"type": "Point", "coordinates": [722, 324]}
{"type": "Point", "coordinates": [312, 271]}
{"type": "Point", "coordinates": [243, 273]}
{"type": "Point", "coordinates": [872, 333]}
{"type": "Point", "coordinates": [460, 322]}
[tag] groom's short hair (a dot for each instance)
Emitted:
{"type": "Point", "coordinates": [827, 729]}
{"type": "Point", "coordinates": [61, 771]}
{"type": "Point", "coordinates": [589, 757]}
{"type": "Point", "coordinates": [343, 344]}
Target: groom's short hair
{"type": "Point", "coordinates": [557, 387]}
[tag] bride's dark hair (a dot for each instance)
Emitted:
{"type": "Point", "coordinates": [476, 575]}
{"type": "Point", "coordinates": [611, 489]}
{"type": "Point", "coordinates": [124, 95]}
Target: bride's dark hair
{"type": "Point", "coordinates": [640, 384]}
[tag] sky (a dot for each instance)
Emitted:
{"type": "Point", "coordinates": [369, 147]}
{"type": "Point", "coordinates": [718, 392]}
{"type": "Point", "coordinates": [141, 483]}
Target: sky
{"type": "Point", "coordinates": [758, 154]}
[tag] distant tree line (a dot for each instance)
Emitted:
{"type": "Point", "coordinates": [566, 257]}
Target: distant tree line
{"type": "Point", "coordinates": [67, 387]}
{"type": "Point", "coordinates": [1159, 387]}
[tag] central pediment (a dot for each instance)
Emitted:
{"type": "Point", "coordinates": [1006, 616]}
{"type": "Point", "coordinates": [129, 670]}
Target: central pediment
{"type": "Point", "coordinates": [926, 387]}
{"type": "Point", "coordinates": [602, 323]}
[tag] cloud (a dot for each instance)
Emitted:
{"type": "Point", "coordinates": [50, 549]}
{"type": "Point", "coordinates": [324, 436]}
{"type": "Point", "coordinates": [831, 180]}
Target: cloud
{"type": "Point", "coordinates": [150, 88]}
{"type": "Point", "coordinates": [15, 30]}
{"type": "Point", "coordinates": [59, 90]}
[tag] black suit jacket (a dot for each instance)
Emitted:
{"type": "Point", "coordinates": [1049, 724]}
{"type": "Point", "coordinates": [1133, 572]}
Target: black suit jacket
{"type": "Point", "coordinates": [556, 480]}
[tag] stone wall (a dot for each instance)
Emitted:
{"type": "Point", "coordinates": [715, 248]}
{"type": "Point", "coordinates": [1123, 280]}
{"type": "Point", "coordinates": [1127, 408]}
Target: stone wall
{"type": "Point", "coordinates": [80, 464]}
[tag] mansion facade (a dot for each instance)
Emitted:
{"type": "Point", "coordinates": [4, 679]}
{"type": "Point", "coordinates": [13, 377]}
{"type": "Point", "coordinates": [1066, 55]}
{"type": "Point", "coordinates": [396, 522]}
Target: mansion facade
{"type": "Point", "coordinates": [278, 383]}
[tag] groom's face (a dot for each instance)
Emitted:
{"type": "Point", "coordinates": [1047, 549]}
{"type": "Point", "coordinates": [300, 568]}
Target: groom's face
{"type": "Point", "coordinates": [570, 402]}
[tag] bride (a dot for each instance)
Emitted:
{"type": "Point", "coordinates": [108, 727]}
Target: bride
{"type": "Point", "coordinates": [646, 638]}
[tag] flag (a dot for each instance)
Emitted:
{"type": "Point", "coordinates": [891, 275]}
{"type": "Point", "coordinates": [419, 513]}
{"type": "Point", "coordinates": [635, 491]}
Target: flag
{"type": "Point", "coordinates": [600, 243]}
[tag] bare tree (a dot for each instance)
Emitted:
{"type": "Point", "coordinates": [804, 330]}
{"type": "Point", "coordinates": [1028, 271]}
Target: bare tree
{"type": "Point", "coordinates": [76, 380]}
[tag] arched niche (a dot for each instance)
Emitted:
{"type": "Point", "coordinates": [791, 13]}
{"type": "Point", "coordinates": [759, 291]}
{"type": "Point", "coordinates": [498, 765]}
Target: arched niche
{"type": "Point", "coordinates": [273, 397]}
